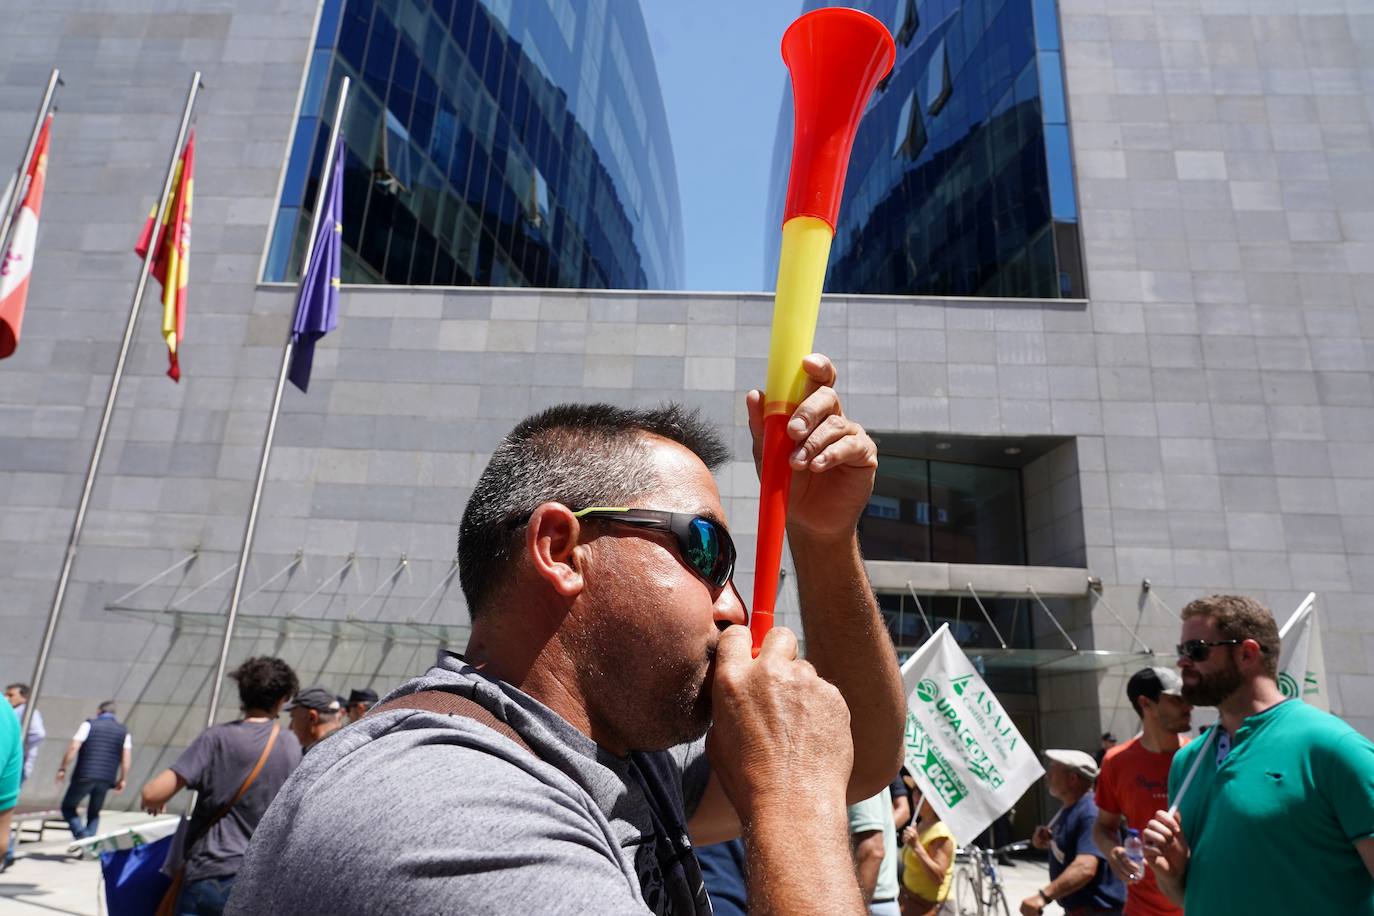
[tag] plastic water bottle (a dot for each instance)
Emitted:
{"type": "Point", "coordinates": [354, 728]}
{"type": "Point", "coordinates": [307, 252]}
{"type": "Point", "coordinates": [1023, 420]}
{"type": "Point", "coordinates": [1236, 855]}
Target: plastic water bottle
{"type": "Point", "coordinates": [1135, 854]}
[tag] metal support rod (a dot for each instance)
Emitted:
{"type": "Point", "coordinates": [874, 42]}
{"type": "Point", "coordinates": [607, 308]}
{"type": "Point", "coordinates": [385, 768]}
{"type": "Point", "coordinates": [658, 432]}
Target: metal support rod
{"type": "Point", "coordinates": [323, 582]}
{"type": "Point", "coordinates": [16, 196]}
{"type": "Point", "coordinates": [388, 580]}
{"type": "Point", "coordinates": [1102, 599]}
{"type": "Point", "coordinates": [250, 526]}
{"type": "Point", "coordinates": [36, 684]}
{"type": "Point", "coordinates": [5, 200]}
{"type": "Point", "coordinates": [180, 603]}
{"type": "Point", "coordinates": [443, 583]}
{"type": "Point", "coordinates": [924, 619]}
{"type": "Point", "coordinates": [1053, 619]}
{"type": "Point", "coordinates": [295, 561]}
{"type": "Point", "coordinates": [986, 616]}
{"type": "Point", "coordinates": [1154, 596]}
{"type": "Point", "coordinates": [184, 561]}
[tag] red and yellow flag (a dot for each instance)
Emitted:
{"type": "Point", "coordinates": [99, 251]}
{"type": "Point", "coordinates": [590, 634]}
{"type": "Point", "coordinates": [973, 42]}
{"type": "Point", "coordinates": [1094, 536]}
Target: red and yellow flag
{"type": "Point", "coordinates": [172, 257]}
{"type": "Point", "coordinates": [17, 262]}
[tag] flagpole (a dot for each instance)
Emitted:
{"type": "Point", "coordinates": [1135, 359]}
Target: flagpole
{"type": "Point", "coordinates": [12, 204]}
{"type": "Point", "coordinates": [250, 526]}
{"type": "Point", "coordinates": [36, 684]}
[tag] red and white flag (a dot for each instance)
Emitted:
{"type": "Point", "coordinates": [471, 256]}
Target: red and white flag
{"type": "Point", "coordinates": [18, 261]}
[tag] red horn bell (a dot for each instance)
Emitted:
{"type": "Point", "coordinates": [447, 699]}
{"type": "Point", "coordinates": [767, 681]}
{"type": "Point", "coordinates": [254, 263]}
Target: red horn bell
{"type": "Point", "coordinates": [836, 57]}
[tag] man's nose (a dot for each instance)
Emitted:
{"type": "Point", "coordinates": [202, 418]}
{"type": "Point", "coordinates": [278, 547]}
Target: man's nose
{"type": "Point", "coordinates": [729, 608]}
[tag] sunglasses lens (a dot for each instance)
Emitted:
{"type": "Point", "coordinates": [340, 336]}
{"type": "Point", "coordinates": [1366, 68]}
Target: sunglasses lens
{"type": "Point", "coordinates": [703, 547]}
{"type": "Point", "coordinates": [707, 551]}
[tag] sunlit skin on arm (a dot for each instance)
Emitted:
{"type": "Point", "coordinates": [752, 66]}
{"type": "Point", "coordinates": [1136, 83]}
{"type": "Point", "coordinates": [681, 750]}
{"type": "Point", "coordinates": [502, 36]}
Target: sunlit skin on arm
{"type": "Point", "coordinates": [847, 642]}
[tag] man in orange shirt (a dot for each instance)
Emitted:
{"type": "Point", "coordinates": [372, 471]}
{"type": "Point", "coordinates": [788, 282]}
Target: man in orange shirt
{"type": "Point", "coordinates": [1134, 782]}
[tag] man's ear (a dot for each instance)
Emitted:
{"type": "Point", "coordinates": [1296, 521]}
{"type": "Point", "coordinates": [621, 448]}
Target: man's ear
{"type": "Point", "coordinates": [551, 541]}
{"type": "Point", "coordinates": [1251, 651]}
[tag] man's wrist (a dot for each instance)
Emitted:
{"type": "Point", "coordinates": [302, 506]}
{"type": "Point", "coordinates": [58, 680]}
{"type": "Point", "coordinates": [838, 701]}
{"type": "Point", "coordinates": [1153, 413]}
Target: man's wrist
{"type": "Point", "coordinates": [1045, 896]}
{"type": "Point", "coordinates": [800, 537]}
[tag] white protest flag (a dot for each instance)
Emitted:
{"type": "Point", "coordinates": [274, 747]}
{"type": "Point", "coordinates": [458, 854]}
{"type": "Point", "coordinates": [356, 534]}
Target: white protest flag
{"type": "Point", "coordinates": [1302, 670]}
{"type": "Point", "coordinates": [961, 746]}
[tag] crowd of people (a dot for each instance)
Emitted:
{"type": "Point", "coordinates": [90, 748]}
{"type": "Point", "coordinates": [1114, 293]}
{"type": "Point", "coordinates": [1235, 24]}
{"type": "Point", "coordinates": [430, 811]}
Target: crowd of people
{"type": "Point", "coordinates": [98, 760]}
{"type": "Point", "coordinates": [611, 741]}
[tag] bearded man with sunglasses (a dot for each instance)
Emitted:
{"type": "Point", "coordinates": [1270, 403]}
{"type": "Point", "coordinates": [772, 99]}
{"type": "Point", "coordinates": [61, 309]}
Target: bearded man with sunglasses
{"type": "Point", "coordinates": [1279, 817]}
{"type": "Point", "coordinates": [559, 766]}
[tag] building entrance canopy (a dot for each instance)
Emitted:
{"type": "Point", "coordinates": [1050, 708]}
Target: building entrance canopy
{"type": "Point", "coordinates": [200, 610]}
{"type": "Point", "coordinates": [992, 612]}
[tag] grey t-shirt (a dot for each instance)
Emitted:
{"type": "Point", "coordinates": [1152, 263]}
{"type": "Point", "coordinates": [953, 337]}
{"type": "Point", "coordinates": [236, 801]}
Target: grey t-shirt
{"type": "Point", "coordinates": [412, 812]}
{"type": "Point", "coordinates": [215, 765]}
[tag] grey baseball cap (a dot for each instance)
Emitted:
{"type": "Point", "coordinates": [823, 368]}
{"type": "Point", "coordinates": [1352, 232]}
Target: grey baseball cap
{"type": "Point", "coordinates": [316, 698]}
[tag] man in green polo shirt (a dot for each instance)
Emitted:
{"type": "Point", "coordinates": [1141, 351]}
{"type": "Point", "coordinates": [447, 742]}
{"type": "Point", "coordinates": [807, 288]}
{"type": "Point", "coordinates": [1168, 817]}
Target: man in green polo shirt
{"type": "Point", "coordinates": [1279, 817]}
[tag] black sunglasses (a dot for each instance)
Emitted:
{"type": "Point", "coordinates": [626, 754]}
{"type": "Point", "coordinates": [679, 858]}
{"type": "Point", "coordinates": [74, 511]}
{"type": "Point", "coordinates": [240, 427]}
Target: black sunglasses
{"type": "Point", "coordinates": [703, 542]}
{"type": "Point", "coordinates": [1198, 649]}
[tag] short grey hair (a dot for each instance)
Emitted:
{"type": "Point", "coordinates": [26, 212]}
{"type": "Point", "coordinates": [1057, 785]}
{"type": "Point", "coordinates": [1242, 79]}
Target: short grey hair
{"type": "Point", "coordinates": [579, 455]}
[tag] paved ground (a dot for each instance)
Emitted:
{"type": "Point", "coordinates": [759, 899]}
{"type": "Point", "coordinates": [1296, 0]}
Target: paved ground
{"type": "Point", "coordinates": [1023, 879]}
{"type": "Point", "coordinates": [47, 879]}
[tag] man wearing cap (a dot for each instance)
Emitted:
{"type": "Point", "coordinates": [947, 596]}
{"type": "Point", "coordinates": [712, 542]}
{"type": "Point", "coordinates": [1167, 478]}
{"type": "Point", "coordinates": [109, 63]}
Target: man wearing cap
{"type": "Point", "coordinates": [1134, 782]}
{"type": "Point", "coordinates": [359, 702]}
{"type": "Point", "coordinates": [315, 715]}
{"type": "Point", "coordinates": [1080, 879]}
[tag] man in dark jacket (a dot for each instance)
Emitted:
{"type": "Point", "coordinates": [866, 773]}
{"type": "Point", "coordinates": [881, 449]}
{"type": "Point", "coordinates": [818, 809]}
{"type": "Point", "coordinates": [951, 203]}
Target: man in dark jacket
{"type": "Point", "coordinates": [103, 752]}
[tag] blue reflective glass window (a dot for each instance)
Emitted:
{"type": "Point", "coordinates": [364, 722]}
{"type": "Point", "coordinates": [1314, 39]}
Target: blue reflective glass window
{"type": "Point", "coordinates": [462, 158]}
{"type": "Point", "coordinates": [1046, 24]}
{"type": "Point", "coordinates": [422, 120]}
{"type": "Point", "coordinates": [402, 95]}
{"type": "Point", "coordinates": [283, 235]}
{"type": "Point", "coordinates": [1052, 88]}
{"type": "Point", "coordinates": [401, 248]}
{"type": "Point", "coordinates": [476, 44]}
{"type": "Point", "coordinates": [443, 11]}
{"type": "Point", "coordinates": [445, 135]}
{"type": "Point", "coordinates": [357, 182]}
{"type": "Point", "coordinates": [381, 50]}
{"type": "Point", "coordinates": [461, 25]}
{"type": "Point", "coordinates": [329, 23]}
{"type": "Point", "coordinates": [354, 31]}
{"type": "Point", "coordinates": [314, 83]}
{"type": "Point", "coordinates": [298, 164]}
{"type": "Point", "coordinates": [1059, 161]}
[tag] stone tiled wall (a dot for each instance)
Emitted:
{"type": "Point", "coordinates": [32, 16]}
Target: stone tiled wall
{"type": "Point", "coordinates": [1217, 388]}
{"type": "Point", "coordinates": [1226, 177]}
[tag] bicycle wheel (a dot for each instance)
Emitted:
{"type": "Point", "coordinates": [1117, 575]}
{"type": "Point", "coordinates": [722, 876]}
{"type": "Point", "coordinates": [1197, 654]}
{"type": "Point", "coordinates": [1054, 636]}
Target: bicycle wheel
{"type": "Point", "coordinates": [968, 893]}
{"type": "Point", "coordinates": [997, 902]}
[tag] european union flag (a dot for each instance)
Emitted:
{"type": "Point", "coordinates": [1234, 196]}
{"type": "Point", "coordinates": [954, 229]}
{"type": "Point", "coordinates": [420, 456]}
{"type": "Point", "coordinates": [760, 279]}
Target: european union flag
{"type": "Point", "coordinates": [317, 307]}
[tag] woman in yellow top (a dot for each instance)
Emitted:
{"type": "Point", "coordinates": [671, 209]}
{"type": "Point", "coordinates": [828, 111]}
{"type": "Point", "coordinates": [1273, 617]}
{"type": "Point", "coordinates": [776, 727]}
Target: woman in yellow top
{"type": "Point", "coordinates": [928, 858]}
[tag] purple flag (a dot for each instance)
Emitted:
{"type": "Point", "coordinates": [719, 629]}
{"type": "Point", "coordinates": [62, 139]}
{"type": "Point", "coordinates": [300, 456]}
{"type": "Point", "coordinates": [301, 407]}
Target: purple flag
{"type": "Point", "coordinates": [317, 308]}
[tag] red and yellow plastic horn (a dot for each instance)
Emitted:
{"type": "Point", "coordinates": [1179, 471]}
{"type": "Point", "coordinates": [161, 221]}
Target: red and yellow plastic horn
{"type": "Point", "coordinates": [836, 58]}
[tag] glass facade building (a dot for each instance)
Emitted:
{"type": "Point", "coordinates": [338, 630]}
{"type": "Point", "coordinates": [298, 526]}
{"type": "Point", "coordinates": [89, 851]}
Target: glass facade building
{"type": "Point", "coordinates": [961, 179]}
{"type": "Point", "coordinates": [489, 143]}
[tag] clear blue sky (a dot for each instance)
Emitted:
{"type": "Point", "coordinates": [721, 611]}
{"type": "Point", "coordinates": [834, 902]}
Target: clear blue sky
{"type": "Point", "coordinates": [723, 80]}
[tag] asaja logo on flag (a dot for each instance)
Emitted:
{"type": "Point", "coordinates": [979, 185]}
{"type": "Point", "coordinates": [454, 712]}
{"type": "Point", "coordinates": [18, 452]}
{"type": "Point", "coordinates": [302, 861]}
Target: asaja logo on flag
{"type": "Point", "coordinates": [1288, 686]}
{"type": "Point", "coordinates": [961, 745]}
{"type": "Point", "coordinates": [923, 756]}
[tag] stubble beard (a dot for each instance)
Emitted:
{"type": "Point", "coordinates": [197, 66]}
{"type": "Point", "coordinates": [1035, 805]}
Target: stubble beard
{"type": "Point", "coordinates": [651, 704]}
